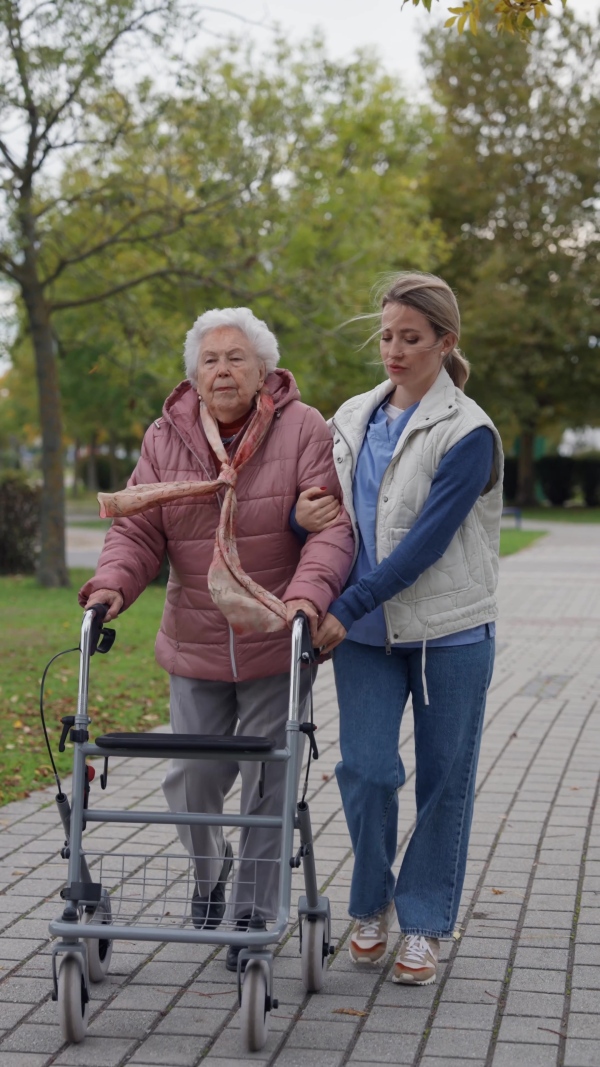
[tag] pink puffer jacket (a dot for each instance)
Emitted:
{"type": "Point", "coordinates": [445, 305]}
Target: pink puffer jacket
{"type": "Point", "coordinates": [195, 639]}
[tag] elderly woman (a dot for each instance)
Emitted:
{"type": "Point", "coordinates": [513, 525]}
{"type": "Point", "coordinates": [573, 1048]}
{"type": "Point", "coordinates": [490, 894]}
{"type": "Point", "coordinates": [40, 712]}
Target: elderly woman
{"type": "Point", "coordinates": [222, 682]}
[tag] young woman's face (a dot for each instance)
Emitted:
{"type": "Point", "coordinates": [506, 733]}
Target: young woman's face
{"type": "Point", "coordinates": [411, 350]}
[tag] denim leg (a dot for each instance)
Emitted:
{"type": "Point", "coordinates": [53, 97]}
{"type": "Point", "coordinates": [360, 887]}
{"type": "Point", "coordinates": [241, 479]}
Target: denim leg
{"type": "Point", "coordinates": [372, 691]}
{"type": "Point", "coordinates": [447, 742]}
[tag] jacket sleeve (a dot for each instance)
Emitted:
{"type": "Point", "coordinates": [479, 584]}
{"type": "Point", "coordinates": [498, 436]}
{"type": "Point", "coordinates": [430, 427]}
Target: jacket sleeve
{"type": "Point", "coordinates": [326, 557]}
{"type": "Point", "coordinates": [134, 548]}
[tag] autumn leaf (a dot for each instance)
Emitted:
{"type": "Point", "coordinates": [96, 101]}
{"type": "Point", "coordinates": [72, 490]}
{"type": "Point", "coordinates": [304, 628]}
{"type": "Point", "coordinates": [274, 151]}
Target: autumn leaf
{"type": "Point", "coordinates": [348, 1011]}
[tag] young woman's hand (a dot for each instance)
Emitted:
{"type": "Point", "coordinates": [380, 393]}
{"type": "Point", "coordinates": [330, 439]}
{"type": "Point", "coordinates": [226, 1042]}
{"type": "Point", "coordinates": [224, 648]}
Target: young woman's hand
{"type": "Point", "coordinates": [330, 634]}
{"type": "Point", "coordinates": [106, 596]}
{"type": "Point", "coordinates": [316, 509]}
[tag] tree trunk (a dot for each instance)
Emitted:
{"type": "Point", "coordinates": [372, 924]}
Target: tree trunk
{"type": "Point", "coordinates": [52, 566]}
{"type": "Point", "coordinates": [92, 471]}
{"type": "Point", "coordinates": [525, 469]}
{"type": "Point", "coordinates": [112, 459]}
{"type": "Point", "coordinates": [75, 486]}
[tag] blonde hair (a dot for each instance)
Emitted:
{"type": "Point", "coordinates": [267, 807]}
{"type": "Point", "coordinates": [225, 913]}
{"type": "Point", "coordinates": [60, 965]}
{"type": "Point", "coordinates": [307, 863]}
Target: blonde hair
{"type": "Point", "coordinates": [434, 299]}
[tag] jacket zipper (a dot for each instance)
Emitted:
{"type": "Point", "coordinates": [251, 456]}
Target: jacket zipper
{"type": "Point", "coordinates": [388, 642]}
{"type": "Point", "coordinates": [352, 470]}
{"type": "Point", "coordinates": [232, 654]}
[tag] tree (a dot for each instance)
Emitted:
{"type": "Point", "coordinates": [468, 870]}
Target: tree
{"type": "Point", "coordinates": [514, 181]}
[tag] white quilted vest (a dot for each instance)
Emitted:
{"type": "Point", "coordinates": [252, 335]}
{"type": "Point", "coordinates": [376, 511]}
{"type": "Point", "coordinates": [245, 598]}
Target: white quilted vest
{"type": "Point", "coordinates": [458, 591]}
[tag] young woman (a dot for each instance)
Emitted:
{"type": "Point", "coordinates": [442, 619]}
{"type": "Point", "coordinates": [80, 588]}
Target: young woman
{"type": "Point", "coordinates": [420, 466]}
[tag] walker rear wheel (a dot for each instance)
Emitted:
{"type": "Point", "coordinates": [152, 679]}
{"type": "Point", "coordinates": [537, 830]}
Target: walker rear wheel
{"type": "Point", "coordinates": [73, 1001]}
{"type": "Point", "coordinates": [99, 949]}
{"type": "Point", "coordinates": [254, 1018]}
{"type": "Point", "coordinates": [314, 949]}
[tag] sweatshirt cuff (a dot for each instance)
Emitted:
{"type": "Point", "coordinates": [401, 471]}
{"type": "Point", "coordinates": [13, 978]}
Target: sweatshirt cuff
{"type": "Point", "coordinates": [343, 613]}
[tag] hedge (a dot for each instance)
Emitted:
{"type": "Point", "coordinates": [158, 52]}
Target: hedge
{"type": "Point", "coordinates": [19, 524]}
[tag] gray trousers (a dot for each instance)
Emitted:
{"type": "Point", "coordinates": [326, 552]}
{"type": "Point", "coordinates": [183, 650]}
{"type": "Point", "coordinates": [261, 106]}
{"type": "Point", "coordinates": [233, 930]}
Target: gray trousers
{"type": "Point", "coordinates": [260, 708]}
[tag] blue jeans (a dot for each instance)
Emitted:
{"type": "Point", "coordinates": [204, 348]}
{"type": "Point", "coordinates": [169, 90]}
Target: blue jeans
{"type": "Point", "coordinates": [372, 690]}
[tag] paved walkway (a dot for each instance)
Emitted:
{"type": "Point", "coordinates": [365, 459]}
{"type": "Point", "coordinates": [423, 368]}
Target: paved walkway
{"type": "Point", "coordinates": [520, 986]}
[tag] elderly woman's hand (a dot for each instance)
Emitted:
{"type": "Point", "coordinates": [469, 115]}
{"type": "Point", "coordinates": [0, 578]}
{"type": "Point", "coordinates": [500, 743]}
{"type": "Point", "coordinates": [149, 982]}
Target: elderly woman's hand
{"type": "Point", "coordinates": [106, 596]}
{"type": "Point", "coordinates": [330, 634]}
{"type": "Point", "coordinates": [309, 609]}
{"type": "Point", "coordinates": [316, 509]}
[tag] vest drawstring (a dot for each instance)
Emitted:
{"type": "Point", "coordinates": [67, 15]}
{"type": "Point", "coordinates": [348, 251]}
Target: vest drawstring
{"type": "Point", "coordinates": [423, 664]}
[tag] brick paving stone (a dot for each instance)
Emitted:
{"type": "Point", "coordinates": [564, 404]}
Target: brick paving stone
{"type": "Point", "coordinates": [541, 1005]}
{"type": "Point", "coordinates": [94, 1052]}
{"type": "Point", "coordinates": [23, 1059]}
{"type": "Point", "coordinates": [31, 1038]}
{"type": "Point", "coordinates": [384, 1048]}
{"type": "Point", "coordinates": [512, 1055]}
{"type": "Point", "coordinates": [536, 1030]}
{"type": "Point", "coordinates": [322, 1034]}
{"type": "Point", "coordinates": [459, 1043]}
{"type": "Point", "coordinates": [581, 1053]}
{"type": "Point", "coordinates": [201, 1021]}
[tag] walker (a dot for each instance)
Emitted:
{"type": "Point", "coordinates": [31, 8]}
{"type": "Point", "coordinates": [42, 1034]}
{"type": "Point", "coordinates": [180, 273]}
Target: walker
{"type": "Point", "coordinates": [111, 896]}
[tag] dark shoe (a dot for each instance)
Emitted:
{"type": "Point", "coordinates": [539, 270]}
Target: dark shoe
{"type": "Point", "coordinates": [254, 922]}
{"type": "Point", "coordinates": [208, 912]}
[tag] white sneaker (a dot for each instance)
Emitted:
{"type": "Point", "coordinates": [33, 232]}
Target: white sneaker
{"type": "Point", "coordinates": [369, 937]}
{"type": "Point", "coordinates": [417, 960]}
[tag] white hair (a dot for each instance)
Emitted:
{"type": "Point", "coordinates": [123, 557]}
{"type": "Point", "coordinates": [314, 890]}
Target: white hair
{"type": "Point", "coordinates": [258, 333]}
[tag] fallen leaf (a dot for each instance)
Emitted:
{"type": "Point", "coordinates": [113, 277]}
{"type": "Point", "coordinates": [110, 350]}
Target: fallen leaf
{"type": "Point", "coordinates": [325, 777]}
{"type": "Point", "coordinates": [348, 1011]}
{"type": "Point", "coordinates": [498, 892]}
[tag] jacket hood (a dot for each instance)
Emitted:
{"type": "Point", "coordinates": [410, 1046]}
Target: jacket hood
{"type": "Point", "coordinates": [182, 405]}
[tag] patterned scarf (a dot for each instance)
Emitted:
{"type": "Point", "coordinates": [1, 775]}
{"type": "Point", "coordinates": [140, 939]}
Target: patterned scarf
{"type": "Point", "coordinates": [246, 605]}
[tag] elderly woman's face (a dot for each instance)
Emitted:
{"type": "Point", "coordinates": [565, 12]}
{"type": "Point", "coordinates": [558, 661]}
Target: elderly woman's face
{"type": "Point", "coordinates": [229, 373]}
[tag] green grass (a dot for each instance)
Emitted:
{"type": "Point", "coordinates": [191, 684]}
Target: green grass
{"type": "Point", "coordinates": [574, 514]}
{"type": "Point", "coordinates": [512, 541]}
{"type": "Point", "coordinates": [128, 690]}
{"type": "Point", "coordinates": [91, 524]}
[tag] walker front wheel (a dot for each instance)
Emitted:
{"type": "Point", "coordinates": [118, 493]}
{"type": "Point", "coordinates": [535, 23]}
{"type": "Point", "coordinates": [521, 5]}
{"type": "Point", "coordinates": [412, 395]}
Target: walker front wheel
{"type": "Point", "coordinates": [254, 1018]}
{"type": "Point", "coordinates": [314, 947]}
{"type": "Point", "coordinates": [73, 1000]}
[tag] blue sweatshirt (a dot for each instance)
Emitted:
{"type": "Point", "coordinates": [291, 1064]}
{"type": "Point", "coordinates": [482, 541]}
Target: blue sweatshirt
{"type": "Point", "coordinates": [460, 479]}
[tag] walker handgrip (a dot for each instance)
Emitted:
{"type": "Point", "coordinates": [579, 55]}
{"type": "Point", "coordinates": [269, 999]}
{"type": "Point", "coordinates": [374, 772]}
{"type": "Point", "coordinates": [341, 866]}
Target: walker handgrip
{"type": "Point", "coordinates": [308, 654]}
{"type": "Point", "coordinates": [101, 639]}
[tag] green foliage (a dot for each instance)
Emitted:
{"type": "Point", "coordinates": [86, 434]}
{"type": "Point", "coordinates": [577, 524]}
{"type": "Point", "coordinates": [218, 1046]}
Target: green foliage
{"type": "Point", "coordinates": [128, 690]}
{"type": "Point", "coordinates": [511, 16]}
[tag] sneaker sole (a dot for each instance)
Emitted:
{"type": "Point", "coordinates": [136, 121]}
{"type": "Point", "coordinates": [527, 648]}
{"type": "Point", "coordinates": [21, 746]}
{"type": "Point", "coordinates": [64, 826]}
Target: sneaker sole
{"type": "Point", "coordinates": [367, 961]}
{"type": "Point", "coordinates": [406, 979]}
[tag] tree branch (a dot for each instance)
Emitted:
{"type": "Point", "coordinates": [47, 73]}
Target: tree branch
{"type": "Point", "coordinates": [165, 272]}
{"type": "Point", "coordinates": [117, 239]}
{"type": "Point", "coordinates": [89, 67]}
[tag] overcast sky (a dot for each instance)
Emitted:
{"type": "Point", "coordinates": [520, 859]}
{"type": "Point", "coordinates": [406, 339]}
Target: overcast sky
{"type": "Point", "coordinates": [349, 24]}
